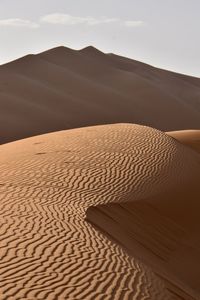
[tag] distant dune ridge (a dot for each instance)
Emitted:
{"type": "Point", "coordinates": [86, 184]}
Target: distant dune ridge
{"type": "Point", "coordinates": [140, 187]}
{"type": "Point", "coordinates": [63, 88]}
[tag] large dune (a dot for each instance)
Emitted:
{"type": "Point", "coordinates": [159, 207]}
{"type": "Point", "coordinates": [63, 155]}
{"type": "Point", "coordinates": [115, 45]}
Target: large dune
{"type": "Point", "coordinates": [64, 88]}
{"type": "Point", "coordinates": [50, 182]}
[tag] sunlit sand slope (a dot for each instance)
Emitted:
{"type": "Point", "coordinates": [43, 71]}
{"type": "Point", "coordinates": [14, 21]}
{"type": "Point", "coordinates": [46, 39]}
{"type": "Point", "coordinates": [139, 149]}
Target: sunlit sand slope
{"type": "Point", "coordinates": [48, 249]}
{"type": "Point", "coordinates": [190, 138]}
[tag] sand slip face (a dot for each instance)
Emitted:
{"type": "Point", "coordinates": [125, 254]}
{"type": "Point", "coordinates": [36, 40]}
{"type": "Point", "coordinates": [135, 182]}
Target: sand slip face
{"type": "Point", "coordinates": [48, 249]}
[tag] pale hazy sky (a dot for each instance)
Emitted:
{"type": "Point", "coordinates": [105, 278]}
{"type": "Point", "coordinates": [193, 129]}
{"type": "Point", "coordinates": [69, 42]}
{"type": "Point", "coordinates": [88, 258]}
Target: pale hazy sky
{"type": "Point", "coordinates": [164, 33]}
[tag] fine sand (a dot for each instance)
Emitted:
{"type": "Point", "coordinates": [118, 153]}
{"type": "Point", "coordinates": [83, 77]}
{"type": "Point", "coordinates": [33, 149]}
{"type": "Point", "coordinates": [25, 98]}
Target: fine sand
{"type": "Point", "coordinates": [63, 88]}
{"type": "Point", "coordinates": [103, 212]}
{"type": "Point", "coordinates": [190, 138]}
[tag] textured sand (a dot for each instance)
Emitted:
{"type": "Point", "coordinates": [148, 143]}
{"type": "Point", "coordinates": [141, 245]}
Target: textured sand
{"type": "Point", "coordinates": [64, 88]}
{"type": "Point", "coordinates": [162, 229]}
{"type": "Point", "coordinates": [48, 182]}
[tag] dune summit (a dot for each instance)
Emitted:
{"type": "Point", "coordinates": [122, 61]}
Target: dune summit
{"type": "Point", "coordinates": [63, 88]}
{"type": "Point", "coordinates": [51, 183]}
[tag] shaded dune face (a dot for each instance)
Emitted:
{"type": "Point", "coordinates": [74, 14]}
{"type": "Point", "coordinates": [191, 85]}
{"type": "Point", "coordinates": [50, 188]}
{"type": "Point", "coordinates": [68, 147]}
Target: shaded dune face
{"type": "Point", "coordinates": [48, 184]}
{"type": "Point", "coordinates": [63, 88]}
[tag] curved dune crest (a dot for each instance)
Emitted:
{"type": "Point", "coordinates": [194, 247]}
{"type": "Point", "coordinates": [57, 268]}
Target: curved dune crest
{"type": "Point", "coordinates": [48, 249]}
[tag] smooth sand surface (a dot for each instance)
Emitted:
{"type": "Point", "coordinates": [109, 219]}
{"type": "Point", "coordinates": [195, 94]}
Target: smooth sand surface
{"type": "Point", "coordinates": [51, 183]}
{"type": "Point", "coordinates": [63, 88]}
{"type": "Point", "coordinates": [190, 138]}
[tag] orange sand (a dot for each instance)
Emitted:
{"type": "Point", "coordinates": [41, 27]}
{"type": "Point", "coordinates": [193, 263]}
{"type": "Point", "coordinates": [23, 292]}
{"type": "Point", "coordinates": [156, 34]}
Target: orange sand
{"type": "Point", "coordinates": [50, 182]}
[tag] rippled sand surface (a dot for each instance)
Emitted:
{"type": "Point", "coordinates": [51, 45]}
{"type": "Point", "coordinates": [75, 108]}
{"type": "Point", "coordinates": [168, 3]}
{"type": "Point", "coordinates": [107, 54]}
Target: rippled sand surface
{"type": "Point", "coordinates": [49, 250]}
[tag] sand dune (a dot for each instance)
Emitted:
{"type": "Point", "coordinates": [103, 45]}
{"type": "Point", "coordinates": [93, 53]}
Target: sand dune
{"type": "Point", "coordinates": [190, 138]}
{"type": "Point", "coordinates": [63, 88]}
{"type": "Point", "coordinates": [49, 182]}
{"type": "Point", "coordinates": [162, 229]}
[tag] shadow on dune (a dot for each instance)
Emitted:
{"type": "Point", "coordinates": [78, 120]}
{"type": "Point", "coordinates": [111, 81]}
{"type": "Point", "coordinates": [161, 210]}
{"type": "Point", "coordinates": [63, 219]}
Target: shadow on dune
{"type": "Point", "coordinates": [161, 230]}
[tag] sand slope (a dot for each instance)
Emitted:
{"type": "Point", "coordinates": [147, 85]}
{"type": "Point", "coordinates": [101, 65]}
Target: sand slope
{"type": "Point", "coordinates": [190, 138]}
{"type": "Point", "coordinates": [64, 88]}
{"type": "Point", "coordinates": [162, 229]}
{"type": "Point", "coordinates": [49, 250]}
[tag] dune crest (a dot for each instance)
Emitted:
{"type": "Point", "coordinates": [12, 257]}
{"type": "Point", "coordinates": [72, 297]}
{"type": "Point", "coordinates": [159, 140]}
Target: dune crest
{"type": "Point", "coordinates": [48, 182]}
